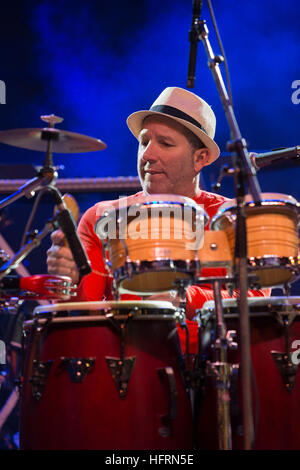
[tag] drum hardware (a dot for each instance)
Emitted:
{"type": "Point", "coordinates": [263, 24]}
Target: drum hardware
{"type": "Point", "coordinates": [47, 175]}
{"type": "Point", "coordinates": [115, 290]}
{"type": "Point", "coordinates": [40, 369]}
{"type": "Point", "coordinates": [39, 377]}
{"type": "Point", "coordinates": [221, 369]}
{"type": "Point", "coordinates": [25, 250]}
{"type": "Point", "coordinates": [287, 369]}
{"type": "Point", "coordinates": [167, 373]}
{"type": "Point", "coordinates": [121, 368]}
{"type": "Point", "coordinates": [78, 367]}
{"type": "Point", "coordinates": [53, 286]}
{"type": "Point", "coordinates": [290, 265]}
{"type": "Point", "coordinates": [108, 266]}
{"type": "Point", "coordinates": [215, 253]}
{"type": "Point", "coordinates": [224, 171]}
{"type": "Point", "coordinates": [286, 289]}
{"type": "Point", "coordinates": [180, 287]}
{"type": "Point", "coordinates": [189, 370]}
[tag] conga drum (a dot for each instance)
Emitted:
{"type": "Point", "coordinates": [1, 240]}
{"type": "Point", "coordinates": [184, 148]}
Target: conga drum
{"type": "Point", "coordinates": [275, 381]}
{"type": "Point", "coordinates": [104, 375]}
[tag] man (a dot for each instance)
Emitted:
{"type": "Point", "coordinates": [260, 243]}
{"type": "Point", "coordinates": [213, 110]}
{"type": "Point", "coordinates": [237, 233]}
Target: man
{"type": "Point", "coordinates": [175, 142]}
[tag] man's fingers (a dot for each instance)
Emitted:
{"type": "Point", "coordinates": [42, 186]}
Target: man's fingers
{"type": "Point", "coordinates": [57, 251]}
{"type": "Point", "coordinates": [57, 237]}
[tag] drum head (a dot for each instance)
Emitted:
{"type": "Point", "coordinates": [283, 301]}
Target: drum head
{"type": "Point", "coordinates": [258, 306]}
{"type": "Point", "coordinates": [119, 215]}
{"type": "Point", "coordinates": [276, 200]}
{"type": "Point", "coordinates": [113, 308]}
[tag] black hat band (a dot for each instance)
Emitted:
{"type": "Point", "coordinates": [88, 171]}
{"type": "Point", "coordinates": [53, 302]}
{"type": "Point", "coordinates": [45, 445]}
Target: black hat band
{"type": "Point", "coordinates": [174, 112]}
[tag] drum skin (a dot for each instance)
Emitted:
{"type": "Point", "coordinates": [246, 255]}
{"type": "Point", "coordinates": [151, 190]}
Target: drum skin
{"type": "Point", "coordinates": [91, 414]}
{"type": "Point", "coordinates": [276, 411]}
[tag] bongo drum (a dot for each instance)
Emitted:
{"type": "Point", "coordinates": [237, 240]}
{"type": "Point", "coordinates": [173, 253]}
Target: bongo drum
{"type": "Point", "coordinates": [272, 236]}
{"type": "Point", "coordinates": [104, 375]}
{"type": "Point", "coordinates": [153, 242]}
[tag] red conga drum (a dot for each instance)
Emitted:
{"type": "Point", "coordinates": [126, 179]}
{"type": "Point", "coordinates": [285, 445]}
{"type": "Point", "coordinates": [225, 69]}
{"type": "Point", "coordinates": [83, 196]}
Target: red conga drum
{"type": "Point", "coordinates": [275, 355]}
{"type": "Point", "coordinates": [104, 375]}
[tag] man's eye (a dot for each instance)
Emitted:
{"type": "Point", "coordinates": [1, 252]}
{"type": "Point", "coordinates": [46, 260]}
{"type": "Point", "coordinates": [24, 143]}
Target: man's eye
{"type": "Point", "coordinates": [167, 144]}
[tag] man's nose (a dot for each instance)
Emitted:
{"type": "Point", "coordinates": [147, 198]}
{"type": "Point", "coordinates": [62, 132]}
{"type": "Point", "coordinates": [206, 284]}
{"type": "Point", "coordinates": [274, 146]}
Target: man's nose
{"type": "Point", "coordinates": [150, 153]}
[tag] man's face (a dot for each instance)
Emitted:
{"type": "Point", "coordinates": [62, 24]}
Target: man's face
{"type": "Point", "coordinates": [166, 159]}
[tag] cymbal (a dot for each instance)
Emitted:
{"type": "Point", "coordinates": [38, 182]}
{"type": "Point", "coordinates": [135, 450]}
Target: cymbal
{"type": "Point", "coordinates": [62, 141]}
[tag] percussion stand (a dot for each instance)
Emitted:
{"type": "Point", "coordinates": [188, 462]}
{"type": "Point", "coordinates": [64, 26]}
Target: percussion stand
{"type": "Point", "coordinates": [47, 175]}
{"type": "Point", "coordinates": [14, 262]}
{"type": "Point", "coordinates": [46, 178]}
{"type": "Point", "coordinates": [244, 172]}
{"type": "Point", "coordinates": [220, 368]}
{"type": "Point", "coordinates": [63, 219]}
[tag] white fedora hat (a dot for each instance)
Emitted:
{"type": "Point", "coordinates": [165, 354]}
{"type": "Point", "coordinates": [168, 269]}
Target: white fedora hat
{"type": "Point", "coordinates": [186, 108]}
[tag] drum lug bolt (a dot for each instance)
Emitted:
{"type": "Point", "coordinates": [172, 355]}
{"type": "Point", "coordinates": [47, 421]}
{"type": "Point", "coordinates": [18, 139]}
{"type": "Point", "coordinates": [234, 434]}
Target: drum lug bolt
{"type": "Point", "coordinates": [39, 377]}
{"type": "Point", "coordinates": [79, 367]}
{"type": "Point", "coordinates": [230, 336]}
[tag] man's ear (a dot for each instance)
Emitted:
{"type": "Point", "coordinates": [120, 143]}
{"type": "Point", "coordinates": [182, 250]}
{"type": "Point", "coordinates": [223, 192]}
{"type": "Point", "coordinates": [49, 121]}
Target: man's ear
{"type": "Point", "coordinates": [200, 157]}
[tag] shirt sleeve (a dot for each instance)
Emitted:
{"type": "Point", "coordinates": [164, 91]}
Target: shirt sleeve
{"type": "Point", "coordinates": [96, 285]}
{"type": "Point", "coordinates": [196, 297]}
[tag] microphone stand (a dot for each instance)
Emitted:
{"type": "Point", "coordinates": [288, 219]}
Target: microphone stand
{"type": "Point", "coordinates": [46, 176]}
{"type": "Point", "coordinates": [244, 173]}
{"type": "Point", "coordinates": [14, 262]}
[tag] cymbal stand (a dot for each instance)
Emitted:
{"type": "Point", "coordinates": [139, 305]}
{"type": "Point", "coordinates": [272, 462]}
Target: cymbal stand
{"type": "Point", "coordinates": [46, 179]}
{"type": "Point", "coordinates": [47, 175]}
{"type": "Point", "coordinates": [244, 173]}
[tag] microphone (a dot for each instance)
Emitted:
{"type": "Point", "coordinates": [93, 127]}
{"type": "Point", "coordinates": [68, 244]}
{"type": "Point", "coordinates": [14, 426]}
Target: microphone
{"type": "Point", "coordinates": [194, 38]}
{"type": "Point", "coordinates": [260, 160]}
{"type": "Point", "coordinates": [64, 219]}
{"type": "Point", "coordinates": [42, 285]}
{"type": "Point", "coordinates": [66, 223]}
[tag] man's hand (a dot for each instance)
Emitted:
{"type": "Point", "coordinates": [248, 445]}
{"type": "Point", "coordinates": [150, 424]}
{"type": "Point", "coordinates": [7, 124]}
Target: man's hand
{"type": "Point", "coordinates": [60, 260]}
